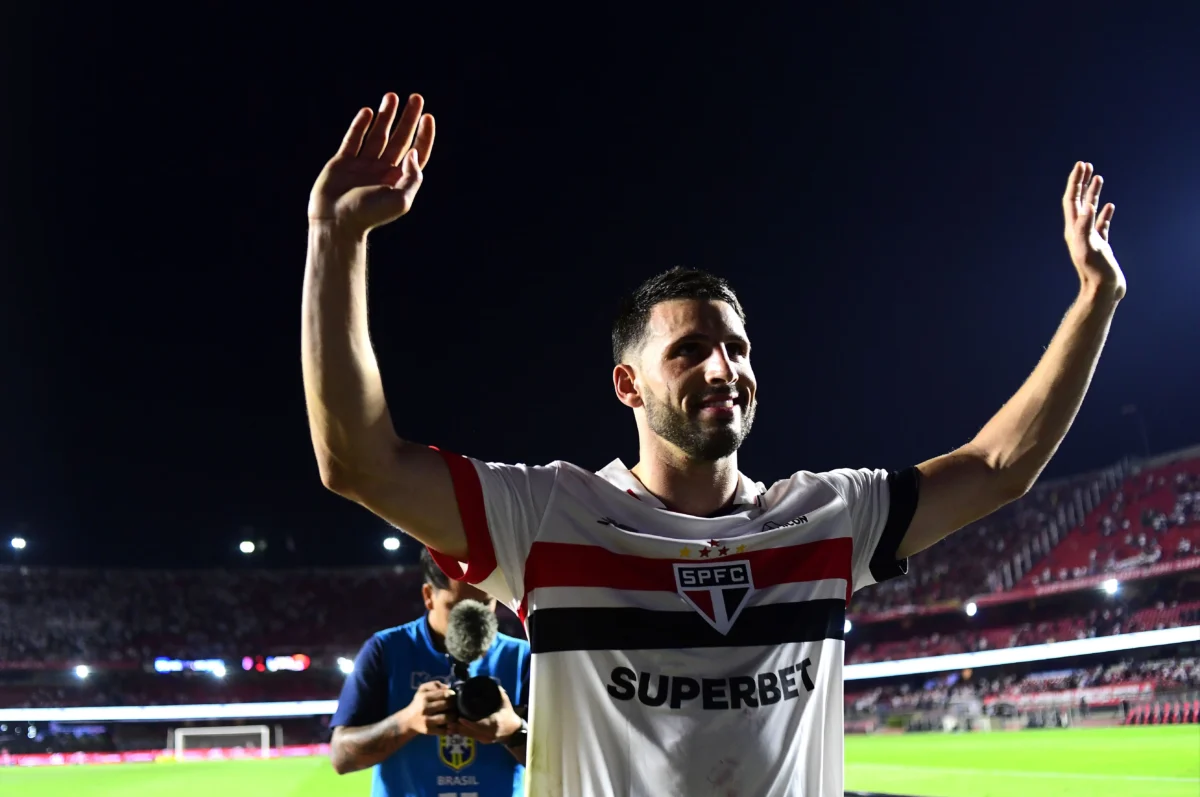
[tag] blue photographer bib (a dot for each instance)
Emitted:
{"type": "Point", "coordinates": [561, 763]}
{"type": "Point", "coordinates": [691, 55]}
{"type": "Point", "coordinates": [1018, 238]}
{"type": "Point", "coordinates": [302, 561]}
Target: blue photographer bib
{"type": "Point", "coordinates": [388, 671]}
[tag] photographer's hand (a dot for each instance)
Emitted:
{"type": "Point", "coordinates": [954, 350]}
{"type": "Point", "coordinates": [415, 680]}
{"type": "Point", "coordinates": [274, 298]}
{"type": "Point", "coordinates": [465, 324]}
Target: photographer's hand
{"type": "Point", "coordinates": [499, 727]}
{"type": "Point", "coordinates": [431, 711]}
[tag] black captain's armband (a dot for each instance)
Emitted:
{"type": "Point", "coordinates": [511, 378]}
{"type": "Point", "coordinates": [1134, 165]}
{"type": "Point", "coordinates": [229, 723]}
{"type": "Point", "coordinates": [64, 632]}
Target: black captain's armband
{"type": "Point", "coordinates": [904, 488]}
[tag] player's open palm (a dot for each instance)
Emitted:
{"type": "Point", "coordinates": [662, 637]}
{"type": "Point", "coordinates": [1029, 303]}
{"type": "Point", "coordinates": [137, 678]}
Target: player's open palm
{"type": "Point", "coordinates": [375, 175]}
{"type": "Point", "coordinates": [1086, 230]}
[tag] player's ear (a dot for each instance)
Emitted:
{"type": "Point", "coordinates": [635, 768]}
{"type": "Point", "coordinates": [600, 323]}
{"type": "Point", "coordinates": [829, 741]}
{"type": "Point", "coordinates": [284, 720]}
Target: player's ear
{"type": "Point", "coordinates": [626, 387]}
{"type": "Point", "coordinates": [427, 595]}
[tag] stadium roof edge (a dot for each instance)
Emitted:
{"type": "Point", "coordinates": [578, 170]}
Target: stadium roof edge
{"type": "Point", "coordinates": [1159, 460]}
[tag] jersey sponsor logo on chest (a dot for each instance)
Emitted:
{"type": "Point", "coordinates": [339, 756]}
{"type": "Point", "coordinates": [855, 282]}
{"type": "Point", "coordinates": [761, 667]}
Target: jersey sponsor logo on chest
{"type": "Point", "coordinates": [736, 692]}
{"type": "Point", "coordinates": [718, 591]}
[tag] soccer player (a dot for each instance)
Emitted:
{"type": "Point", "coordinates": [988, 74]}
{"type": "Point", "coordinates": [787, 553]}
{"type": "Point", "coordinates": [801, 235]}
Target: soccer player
{"type": "Point", "coordinates": [685, 620]}
{"type": "Point", "coordinates": [396, 712]}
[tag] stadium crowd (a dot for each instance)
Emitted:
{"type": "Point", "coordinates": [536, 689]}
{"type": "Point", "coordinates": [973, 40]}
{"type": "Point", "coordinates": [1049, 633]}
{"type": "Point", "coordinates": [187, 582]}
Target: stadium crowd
{"type": "Point", "coordinates": [133, 616]}
{"type": "Point", "coordinates": [1154, 516]}
{"type": "Point", "coordinates": [1167, 675]}
{"type": "Point", "coordinates": [1108, 522]}
{"type": "Point", "coordinates": [1101, 522]}
{"type": "Point", "coordinates": [1099, 621]}
{"type": "Point", "coordinates": [119, 621]}
{"type": "Point", "coordinates": [136, 615]}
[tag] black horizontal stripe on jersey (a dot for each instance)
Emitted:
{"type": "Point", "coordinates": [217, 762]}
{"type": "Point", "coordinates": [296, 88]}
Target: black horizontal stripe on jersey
{"type": "Point", "coordinates": [626, 628]}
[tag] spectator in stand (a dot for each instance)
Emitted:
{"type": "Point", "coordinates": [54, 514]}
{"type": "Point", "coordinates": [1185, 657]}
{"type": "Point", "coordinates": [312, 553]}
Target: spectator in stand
{"type": "Point", "coordinates": [396, 712]}
{"type": "Point", "coordinates": [51, 616]}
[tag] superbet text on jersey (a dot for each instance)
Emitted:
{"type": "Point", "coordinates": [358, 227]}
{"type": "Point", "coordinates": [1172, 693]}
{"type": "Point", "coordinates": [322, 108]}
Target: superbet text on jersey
{"type": "Point", "coordinates": [680, 655]}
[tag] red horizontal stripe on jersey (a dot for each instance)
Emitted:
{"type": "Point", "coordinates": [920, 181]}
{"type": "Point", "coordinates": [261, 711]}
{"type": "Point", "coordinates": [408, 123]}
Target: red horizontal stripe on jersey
{"type": "Point", "coordinates": [563, 564]}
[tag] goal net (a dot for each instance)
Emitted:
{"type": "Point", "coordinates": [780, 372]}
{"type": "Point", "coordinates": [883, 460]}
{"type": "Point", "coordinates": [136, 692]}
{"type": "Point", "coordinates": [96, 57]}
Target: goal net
{"type": "Point", "coordinates": [255, 739]}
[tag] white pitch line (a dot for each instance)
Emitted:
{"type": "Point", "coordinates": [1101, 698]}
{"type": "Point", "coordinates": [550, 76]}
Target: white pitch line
{"type": "Point", "coordinates": [1010, 773]}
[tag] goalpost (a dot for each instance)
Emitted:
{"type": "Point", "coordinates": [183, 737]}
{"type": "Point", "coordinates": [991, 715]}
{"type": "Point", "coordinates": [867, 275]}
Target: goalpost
{"type": "Point", "coordinates": [225, 736]}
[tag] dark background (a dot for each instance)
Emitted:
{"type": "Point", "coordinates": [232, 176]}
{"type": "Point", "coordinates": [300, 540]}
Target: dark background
{"type": "Point", "coordinates": [881, 186]}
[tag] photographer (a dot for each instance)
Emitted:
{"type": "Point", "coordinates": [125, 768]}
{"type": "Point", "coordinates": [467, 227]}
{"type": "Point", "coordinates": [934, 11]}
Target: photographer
{"type": "Point", "coordinates": [399, 713]}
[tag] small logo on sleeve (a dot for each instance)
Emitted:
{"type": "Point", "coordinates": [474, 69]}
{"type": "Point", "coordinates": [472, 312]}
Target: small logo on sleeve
{"type": "Point", "coordinates": [771, 525]}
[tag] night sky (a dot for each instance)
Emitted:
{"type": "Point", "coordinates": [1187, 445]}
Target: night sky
{"type": "Point", "coordinates": [881, 187]}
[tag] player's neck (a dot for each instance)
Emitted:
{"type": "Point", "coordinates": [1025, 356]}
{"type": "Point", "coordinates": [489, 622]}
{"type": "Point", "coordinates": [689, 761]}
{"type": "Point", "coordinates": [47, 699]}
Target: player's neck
{"type": "Point", "coordinates": [686, 485]}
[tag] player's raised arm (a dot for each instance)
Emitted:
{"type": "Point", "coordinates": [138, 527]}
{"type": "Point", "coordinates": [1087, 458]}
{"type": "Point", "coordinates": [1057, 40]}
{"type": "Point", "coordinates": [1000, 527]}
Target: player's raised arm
{"type": "Point", "coordinates": [1005, 458]}
{"type": "Point", "coordinates": [371, 180]}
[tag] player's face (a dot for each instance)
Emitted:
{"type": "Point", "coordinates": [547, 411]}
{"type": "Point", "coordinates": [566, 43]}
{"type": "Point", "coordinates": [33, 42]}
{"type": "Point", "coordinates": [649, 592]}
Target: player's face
{"type": "Point", "coordinates": [699, 391]}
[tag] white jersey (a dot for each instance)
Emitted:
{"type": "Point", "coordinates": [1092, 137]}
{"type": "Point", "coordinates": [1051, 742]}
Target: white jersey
{"type": "Point", "coordinates": [673, 655]}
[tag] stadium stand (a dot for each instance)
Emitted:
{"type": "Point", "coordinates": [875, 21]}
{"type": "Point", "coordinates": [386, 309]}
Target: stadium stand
{"type": "Point", "coordinates": [1154, 516]}
{"type": "Point", "coordinates": [1106, 620]}
{"type": "Point", "coordinates": [1120, 521]}
{"type": "Point", "coordinates": [124, 618]}
{"type": "Point", "coordinates": [1061, 532]}
{"type": "Point", "coordinates": [1033, 573]}
{"type": "Point", "coordinates": [1111, 686]}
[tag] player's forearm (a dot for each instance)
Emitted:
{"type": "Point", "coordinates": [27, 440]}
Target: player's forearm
{"type": "Point", "coordinates": [353, 749]}
{"type": "Point", "coordinates": [1022, 437]}
{"type": "Point", "coordinates": [347, 411]}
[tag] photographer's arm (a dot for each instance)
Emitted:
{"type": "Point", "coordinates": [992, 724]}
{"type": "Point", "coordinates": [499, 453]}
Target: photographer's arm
{"type": "Point", "coordinates": [353, 749]}
{"type": "Point", "coordinates": [364, 734]}
{"type": "Point", "coordinates": [518, 753]}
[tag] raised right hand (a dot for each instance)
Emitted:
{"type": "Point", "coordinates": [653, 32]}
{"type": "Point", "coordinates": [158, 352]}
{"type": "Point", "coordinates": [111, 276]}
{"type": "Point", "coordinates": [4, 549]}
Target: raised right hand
{"type": "Point", "coordinates": [431, 711]}
{"type": "Point", "coordinates": [376, 174]}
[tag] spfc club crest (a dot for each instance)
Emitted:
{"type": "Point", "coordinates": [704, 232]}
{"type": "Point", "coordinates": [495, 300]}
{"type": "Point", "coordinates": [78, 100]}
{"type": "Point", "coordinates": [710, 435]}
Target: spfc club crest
{"type": "Point", "coordinates": [719, 591]}
{"type": "Point", "coordinates": [456, 752]}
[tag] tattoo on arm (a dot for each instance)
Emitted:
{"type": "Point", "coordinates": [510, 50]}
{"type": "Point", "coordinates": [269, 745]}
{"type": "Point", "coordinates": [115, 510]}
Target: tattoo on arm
{"type": "Point", "coordinates": [365, 746]}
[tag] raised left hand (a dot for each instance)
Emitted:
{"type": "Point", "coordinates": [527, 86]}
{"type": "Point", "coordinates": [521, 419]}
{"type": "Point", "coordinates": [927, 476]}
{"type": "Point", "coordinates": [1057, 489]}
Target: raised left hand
{"type": "Point", "coordinates": [496, 728]}
{"type": "Point", "coordinates": [1086, 232]}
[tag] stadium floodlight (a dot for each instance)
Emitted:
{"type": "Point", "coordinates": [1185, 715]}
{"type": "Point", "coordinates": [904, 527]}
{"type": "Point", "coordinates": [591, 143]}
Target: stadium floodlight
{"type": "Point", "coordinates": [83, 671]}
{"type": "Point", "coordinates": [846, 628]}
{"type": "Point", "coordinates": [345, 665]}
{"type": "Point", "coordinates": [972, 609]}
{"type": "Point", "coordinates": [392, 544]}
{"type": "Point", "coordinates": [18, 543]}
{"type": "Point", "coordinates": [1110, 586]}
{"type": "Point", "coordinates": [218, 671]}
{"type": "Point", "coordinates": [246, 547]}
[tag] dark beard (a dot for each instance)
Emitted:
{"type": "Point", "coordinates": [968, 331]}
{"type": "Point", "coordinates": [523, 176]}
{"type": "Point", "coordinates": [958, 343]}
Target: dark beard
{"type": "Point", "coordinates": [693, 439]}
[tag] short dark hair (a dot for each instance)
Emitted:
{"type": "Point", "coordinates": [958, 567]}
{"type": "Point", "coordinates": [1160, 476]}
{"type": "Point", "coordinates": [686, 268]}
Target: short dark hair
{"type": "Point", "coordinates": [629, 328]}
{"type": "Point", "coordinates": [434, 576]}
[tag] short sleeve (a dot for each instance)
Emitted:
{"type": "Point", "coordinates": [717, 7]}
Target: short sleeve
{"type": "Point", "coordinates": [364, 697]}
{"type": "Point", "coordinates": [502, 507]}
{"type": "Point", "coordinates": [881, 506]}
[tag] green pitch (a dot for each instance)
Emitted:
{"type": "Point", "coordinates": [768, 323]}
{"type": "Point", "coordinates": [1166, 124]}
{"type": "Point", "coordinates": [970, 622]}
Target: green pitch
{"type": "Point", "coordinates": [1096, 762]}
{"type": "Point", "coordinates": [278, 777]}
{"type": "Point", "coordinates": [1109, 762]}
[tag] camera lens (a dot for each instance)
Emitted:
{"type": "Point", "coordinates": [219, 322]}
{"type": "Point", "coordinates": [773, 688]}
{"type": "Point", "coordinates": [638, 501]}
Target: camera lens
{"type": "Point", "coordinates": [478, 697]}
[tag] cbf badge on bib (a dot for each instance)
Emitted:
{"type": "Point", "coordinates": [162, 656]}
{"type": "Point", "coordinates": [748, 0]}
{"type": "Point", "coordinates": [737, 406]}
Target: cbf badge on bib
{"type": "Point", "coordinates": [456, 752]}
